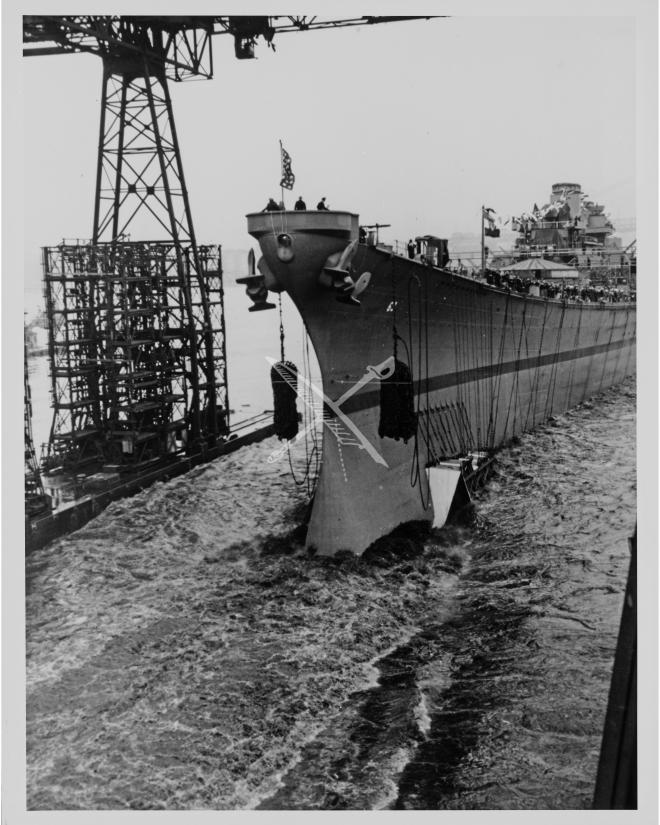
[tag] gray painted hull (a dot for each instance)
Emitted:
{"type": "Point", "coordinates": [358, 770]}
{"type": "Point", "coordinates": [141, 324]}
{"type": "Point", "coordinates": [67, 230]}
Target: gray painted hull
{"type": "Point", "coordinates": [487, 363]}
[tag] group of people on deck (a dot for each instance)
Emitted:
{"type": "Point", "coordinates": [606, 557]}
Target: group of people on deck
{"type": "Point", "coordinates": [571, 292]}
{"type": "Point", "coordinates": [299, 206]}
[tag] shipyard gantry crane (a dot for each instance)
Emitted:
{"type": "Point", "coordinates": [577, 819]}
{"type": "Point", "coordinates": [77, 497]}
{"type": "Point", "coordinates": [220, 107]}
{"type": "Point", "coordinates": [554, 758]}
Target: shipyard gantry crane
{"type": "Point", "coordinates": [137, 332]}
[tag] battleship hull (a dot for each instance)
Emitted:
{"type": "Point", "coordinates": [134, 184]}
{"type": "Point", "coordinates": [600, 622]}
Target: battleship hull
{"type": "Point", "coordinates": [486, 364]}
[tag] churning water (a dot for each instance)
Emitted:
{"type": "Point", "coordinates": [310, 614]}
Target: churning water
{"type": "Point", "coordinates": [184, 652]}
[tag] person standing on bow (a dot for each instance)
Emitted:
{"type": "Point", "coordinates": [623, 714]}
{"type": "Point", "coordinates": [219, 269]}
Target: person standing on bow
{"type": "Point", "coordinates": [322, 206]}
{"type": "Point", "coordinates": [300, 205]}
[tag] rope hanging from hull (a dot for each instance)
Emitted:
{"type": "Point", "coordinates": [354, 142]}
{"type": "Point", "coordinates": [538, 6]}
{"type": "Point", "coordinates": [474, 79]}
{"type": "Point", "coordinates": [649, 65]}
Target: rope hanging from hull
{"type": "Point", "coordinates": [618, 358]}
{"type": "Point", "coordinates": [550, 396]}
{"type": "Point", "coordinates": [284, 379]}
{"type": "Point", "coordinates": [398, 418]}
{"type": "Point", "coordinates": [576, 346]}
{"type": "Point", "coordinates": [609, 344]}
{"type": "Point", "coordinates": [531, 418]}
{"type": "Point", "coordinates": [312, 446]}
{"type": "Point", "coordinates": [417, 476]}
{"type": "Point", "coordinates": [497, 383]}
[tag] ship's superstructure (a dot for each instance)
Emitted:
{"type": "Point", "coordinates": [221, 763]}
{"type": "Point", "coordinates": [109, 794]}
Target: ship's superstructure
{"type": "Point", "coordinates": [570, 220]}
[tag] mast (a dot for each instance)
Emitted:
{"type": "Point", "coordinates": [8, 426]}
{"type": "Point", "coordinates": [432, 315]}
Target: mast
{"type": "Point", "coordinates": [281, 187]}
{"type": "Point", "coordinates": [483, 247]}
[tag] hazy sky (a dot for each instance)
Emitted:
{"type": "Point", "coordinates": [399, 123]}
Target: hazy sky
{"type": "Point", "coordinates": [415, 124]}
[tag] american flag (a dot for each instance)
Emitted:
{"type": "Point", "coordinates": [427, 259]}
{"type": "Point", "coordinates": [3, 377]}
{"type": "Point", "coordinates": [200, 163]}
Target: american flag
{"type": "Point", "coordinates": [288, 178]}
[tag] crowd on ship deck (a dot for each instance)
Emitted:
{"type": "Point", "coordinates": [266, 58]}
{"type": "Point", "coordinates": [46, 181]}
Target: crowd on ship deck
{"type": "Point", "coordinates": [589, 294]}
{"type": "Point", "coordinates": [548, 289]}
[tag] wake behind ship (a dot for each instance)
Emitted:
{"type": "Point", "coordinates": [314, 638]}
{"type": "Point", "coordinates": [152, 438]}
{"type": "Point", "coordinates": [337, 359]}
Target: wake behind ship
{"type": "Point", "coordinates": [479, 363]}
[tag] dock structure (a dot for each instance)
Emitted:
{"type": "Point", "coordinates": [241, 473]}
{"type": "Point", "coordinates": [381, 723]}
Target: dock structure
{"type": "Point", "coordinates": [131, 383]}
{"type": "Point", "coordinates": [616, 781]}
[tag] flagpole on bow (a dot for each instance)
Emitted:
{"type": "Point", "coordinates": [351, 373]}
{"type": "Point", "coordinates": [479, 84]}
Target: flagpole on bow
{"type": "Point", "coordinates": [281, 187]}
{"type": "Point", "coordinates": [483, 247]}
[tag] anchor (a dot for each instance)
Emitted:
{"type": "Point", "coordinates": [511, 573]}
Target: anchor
{"type": "Point", "coordinates": [337, 274]}
{"type": "Point", "coordinates": [255, 285]}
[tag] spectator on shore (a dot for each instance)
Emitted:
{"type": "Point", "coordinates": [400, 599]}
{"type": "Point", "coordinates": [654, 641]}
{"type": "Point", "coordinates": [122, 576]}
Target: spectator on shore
{"type": "Point", "coordinates": [300, 205]}
{"type": "Point", "coordinates": [322, 206]}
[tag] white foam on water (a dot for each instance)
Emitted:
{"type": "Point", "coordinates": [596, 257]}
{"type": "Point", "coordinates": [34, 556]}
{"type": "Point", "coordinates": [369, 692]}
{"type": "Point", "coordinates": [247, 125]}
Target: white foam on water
{"type": "Point", "coordinates": [372, 671]}
{"type": "Point", "coordinates": [391, 771]}
{"type": "Point", "coordinates": [421, 714]}
{"type": "Point", "coordinates": [273, 783]}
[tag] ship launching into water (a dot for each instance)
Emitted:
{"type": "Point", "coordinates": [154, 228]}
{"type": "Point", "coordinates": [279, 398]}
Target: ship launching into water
{"type": "Point", "coordinates": [427, 371]}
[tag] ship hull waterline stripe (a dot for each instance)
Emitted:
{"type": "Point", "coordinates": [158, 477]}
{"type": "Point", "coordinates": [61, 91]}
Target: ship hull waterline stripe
{"type": "Point", "coordinates": [366, 400]}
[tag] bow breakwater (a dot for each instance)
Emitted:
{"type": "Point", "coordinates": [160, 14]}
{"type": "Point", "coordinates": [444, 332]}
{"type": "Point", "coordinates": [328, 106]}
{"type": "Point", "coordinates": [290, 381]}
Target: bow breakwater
{"type": "Point", "coordinates": [184, 651]}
